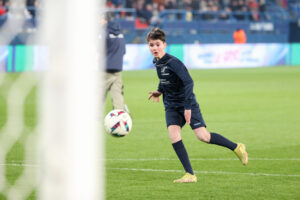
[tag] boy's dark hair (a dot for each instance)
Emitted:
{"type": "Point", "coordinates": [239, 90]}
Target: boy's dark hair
{"type": "Point", "coordinates": [156, 34]}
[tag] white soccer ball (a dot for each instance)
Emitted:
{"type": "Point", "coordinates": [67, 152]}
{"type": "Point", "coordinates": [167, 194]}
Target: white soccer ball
{"type": "Point", "coordinates": [118, 123]}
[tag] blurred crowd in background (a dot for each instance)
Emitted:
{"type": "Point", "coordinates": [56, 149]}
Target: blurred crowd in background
{"type": "Point", "coordinates": [262, 20]}
{"type": "Point", "coordinates": [30, 12]}
{"type": "Point", "coordinates": [147, 11]}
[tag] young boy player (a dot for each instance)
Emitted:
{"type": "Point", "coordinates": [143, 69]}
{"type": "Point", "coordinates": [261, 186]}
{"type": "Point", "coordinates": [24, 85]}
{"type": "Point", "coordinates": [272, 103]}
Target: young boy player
{"type": "Point", "coordinates": [176, 86]}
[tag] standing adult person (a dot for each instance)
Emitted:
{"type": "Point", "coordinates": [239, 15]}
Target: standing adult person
{"type": "Point", "coordinates": [115, 51]}
{"type": "Point", "coordinates": [239, 36]}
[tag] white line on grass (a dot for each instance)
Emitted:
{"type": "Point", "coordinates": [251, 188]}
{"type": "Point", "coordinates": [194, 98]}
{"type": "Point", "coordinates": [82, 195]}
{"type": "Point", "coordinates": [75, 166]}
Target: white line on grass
{"type": "Point", "coordinates": [207, 172]}
{"type": "Point", "coordinates": [176, 171]}
{"type": "Point", "coordinates": [226, 159]}
{"type": "Point", "coordinates": [18, 165]}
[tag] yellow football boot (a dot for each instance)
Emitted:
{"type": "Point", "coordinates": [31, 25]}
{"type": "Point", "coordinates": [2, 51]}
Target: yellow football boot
{"type": "Point", "coordinates": [241, 153]}
{"type": "Point", "coordinates": [187, 178]}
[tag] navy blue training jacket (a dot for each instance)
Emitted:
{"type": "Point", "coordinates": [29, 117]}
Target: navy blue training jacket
{"type": "Point", "coordinates": [175, 84]}
{"type": "Point", "coordinates": [115, 47]}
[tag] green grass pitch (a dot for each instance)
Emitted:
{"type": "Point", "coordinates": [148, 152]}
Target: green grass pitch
{"type": "Point", "coordinates": [259, 107]}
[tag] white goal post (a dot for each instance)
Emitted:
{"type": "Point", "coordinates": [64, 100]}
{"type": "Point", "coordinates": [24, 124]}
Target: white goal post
{"type": "Point", "coordinates": [72, 148]}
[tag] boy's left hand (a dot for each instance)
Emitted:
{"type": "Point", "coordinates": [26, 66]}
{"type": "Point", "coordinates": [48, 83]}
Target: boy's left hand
{"type": "Point", "coordinates": [187, 116]}
{"type": "Point", "coordinates": [154, 95]}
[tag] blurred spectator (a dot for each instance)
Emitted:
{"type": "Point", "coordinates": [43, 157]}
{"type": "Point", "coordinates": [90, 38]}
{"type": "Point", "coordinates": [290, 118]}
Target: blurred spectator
{"type": "Point", "coordinates": [157, 9]}
{"type": "Point", "coordinates": [5, 3]}
{"type": "Point", "coordinates": [254, 10]}
{"type": "Point", "coordinates": [262, 8]}
{"type": "Point", "coordinates": [210, 9]}
{"type": "Point", "coordinates": [155, 14]}
{"type": "Point", "coordinates": [117, 3]}
{"type": "Point", "coordinates": [31, 7]}
{"type": "Point", "coordinates": [2, 8]}
{"type": "Point", "coordinates": [159, 2]}
{"type": "Point", "coordinates": [143, 13]}
{"type": "Point", "coordinates": [187, 5]}
{"type": "Point", "coordinates": [170, 4]}
{"type": "Point", "coordinates": [224, 14]}
{"type": "Point", "coordinates": [262, 5]}
{"type": "Point", "coordinates": [161, 7]}
{"type": "Point", "coordinates": [239, 7]}
{"type": "Point", "coordinates": [224, 3]}
{"type": "Point", "coordinates": [203, 6]}
{"type": "Point", "coordinates": [129, 4]}
{"type": "Point", "coordinates": [195, 4]}
{"type": "Point", "coordinates": [239, 36]}
{"type": "Point", "coordinates": [282, 3]}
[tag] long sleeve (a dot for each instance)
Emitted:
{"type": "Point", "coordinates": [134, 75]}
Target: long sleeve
{"type": "Point", "coordinates": [182, 72]}
{"type": "Point", "coordinates": [175, 83]}
{"type": "Point", "coordinates": [160, 88]}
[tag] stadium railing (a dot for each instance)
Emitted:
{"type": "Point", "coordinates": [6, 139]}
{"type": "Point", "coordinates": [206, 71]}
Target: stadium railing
{"type": "Point", "coordinates": [214, 27]}
{"type": "Point", "coordinates": [209, 27]}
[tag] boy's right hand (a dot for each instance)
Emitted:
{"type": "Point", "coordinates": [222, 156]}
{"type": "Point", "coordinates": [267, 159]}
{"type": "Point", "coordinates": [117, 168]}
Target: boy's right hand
{"type": "Point", "coordinates": [154, 95]}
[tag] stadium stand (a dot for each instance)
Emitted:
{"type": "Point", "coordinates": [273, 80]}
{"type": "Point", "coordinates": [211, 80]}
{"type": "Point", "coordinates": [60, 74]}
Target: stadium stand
{"type": "Point", "coordinates": [197, 21]}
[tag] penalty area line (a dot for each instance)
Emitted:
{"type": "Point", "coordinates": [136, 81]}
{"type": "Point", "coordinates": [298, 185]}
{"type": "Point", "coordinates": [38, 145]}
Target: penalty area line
{"type": "Point", "coordinates": [207, 172]}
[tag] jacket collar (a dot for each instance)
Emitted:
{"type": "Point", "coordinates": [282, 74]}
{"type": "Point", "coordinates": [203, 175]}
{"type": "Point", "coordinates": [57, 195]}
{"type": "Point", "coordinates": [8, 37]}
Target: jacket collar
{"type": "Point", "coordinates": [163, 60]}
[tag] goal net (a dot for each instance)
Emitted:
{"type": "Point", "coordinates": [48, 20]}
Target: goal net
{"type": "Point", "coordinates": [50, 101]}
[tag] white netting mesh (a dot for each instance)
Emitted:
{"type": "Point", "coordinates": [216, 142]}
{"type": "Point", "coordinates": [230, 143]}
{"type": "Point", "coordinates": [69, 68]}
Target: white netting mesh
{"type": "Point", "coordinates": [18, 136]}
{"type": "Point", "coordinates": [18, 113]}
{"type": "Point", "coordinates": [49, 120]}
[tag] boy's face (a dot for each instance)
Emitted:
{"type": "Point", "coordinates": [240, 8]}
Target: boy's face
{"type": "Point", "coordinates": [157, 48]}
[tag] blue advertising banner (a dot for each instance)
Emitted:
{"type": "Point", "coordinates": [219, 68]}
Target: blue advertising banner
{"type": "Point", "coordinates": [23, 58]}
{"type": "Point", "coordinates": [196, 56]}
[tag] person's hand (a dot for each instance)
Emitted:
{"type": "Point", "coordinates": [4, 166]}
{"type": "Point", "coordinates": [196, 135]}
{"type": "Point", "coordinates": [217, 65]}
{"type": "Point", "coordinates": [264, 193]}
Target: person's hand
{"type": "Point", "coordinates": [187, 116]}
{"type": "Point", "coordinates": [154, 95]}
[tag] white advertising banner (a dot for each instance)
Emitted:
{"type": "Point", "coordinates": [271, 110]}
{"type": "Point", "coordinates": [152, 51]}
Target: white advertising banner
{"type": "Point", "coordinates": [234, 55]}
{"type": "Point", "coordinates": [137, 57]}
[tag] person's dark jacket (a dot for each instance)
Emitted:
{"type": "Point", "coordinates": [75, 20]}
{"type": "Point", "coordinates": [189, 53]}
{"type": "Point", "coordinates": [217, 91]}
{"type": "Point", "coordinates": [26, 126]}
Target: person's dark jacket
{"type": "Point", "coordinates": [115, 47]}
{"type": "Point", "coordinates": [175, 84]}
